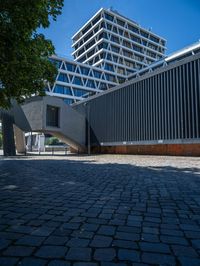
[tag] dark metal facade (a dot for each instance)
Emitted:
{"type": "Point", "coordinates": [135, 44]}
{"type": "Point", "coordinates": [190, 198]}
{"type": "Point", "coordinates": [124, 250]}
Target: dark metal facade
{"type": "Point", "coordinates": [159, 107]}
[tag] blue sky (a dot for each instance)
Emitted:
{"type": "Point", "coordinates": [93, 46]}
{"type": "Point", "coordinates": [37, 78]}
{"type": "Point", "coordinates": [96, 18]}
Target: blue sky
{"type": "Point", "coordinates": [178, 21]}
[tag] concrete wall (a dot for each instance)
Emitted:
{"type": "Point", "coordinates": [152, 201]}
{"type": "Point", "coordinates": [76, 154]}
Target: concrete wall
{"type": "Point", "coordinates": [71, 128]}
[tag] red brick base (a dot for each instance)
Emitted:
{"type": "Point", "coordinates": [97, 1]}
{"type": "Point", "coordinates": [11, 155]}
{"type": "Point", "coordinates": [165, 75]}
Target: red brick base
{"type": "Point", "coordinates": [159, 149]}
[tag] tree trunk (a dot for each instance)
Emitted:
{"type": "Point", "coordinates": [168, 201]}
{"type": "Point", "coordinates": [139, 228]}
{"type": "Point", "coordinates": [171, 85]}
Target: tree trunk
{"type": "Point", "coordinates": [8, 136]}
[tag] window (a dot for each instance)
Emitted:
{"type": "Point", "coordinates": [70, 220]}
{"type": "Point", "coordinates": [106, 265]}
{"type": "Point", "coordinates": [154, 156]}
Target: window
{"type": "Point", "coordinates": [110, 77]}
{"type": "Point", "coordinates": [144, 34]}
{"type": "Point", "coordinates": [115, 49]}
{"type": "Point", "coordinates": [126, 34]}
{"type": "Point", "coordinates": [63, 77]}
{"type": "Point", "coordinates": [137, 48]}
{"type": "Point", "coordinates": [78, 92]}
{"type": "Point", "coordinates": [121, 80]}
{"type": "Point", "coordinates": [127, 53]}
{"type": "Point", "coordinates": [70, 67]}
{"type": "Point", "coordinates": [120, 22]}
{"type": "Point", "coordinates": [133, 29]}
{"type": "Point", "coordinates": [109, 17]}
{"type": "Point", "coordinates": [109, 67]}
{"type": "Point", "coordinates": [90, 84]}
{"type": "Point", "coordinates": [97, 74]}
{"type": "Point", "coordinates": [86, 29]}
{"type": "Point", "coordinates": [102, 86]}
{"type": "Point", "coordinates": [84, 70]}
{"type": "Point", "coordinates": [90, 44]}
{"type": "Point", "coordinates": [121, 32]}
{"type": "Point", "coordinates": [154, 39]}
{"type": "Point", "coordinates": [52, 116]}
{"type": "Point", "coordinates": [109, 57]}
{"type": "Point", "coordinates": [135, 39]}
{"type": "Point", "coordinates": [62, 89]}
{"type": "Point", "coordinates": [77, 81]}
{"type": "Point", "coordinates": [109, 27]}
{"type": "Point", "coordinates": [120, 71]}
{"type": "Point", "coordinates": [127, 44]}
{"type": "Point", "coordinates": [95, 20]}
{"type": "Point", "coordinates": [115, 39]}
{"type": "Point", "coordinates": [68, 101]}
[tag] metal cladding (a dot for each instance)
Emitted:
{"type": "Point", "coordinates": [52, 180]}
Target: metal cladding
{"type": "Point", "coordinates": [159, 107]}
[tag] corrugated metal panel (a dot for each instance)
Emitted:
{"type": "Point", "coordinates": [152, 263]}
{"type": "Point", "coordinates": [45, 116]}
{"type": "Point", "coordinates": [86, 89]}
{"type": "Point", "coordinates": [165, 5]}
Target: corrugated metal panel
{"type": "Point", "coordinates": [163, 107]}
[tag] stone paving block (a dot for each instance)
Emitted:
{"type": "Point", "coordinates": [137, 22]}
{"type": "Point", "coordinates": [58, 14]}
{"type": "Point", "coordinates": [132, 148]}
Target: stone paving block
{"type": "Point", "coordinates": [7, 261]}
{"type": "Point", "coordinates": [30, 240]}
{"type": "Point", "coordinates": [192, 234]}
{"type": "Point", "coordinates": [129, 229]}
{"type": "Point", "coordinates": [80, 254]}
{"type": "Point", "coordinates": [56, 240]}
{"type": "Point", "coordinates": [82, 234]}
{"type": "Point", "coordinates": [196, 243]}
{"type": "Point", "coordinates": [101, 241]}
{"type": "Point", "coordinates": [117, 222]}
{"type": "Point", "coordinates": [59, 263]}
{"type": "Point", "coordinates": [186, 261]}
{"type": "Point", "coordinates": [71, 225]}
{"type": "Point", "coordinates": [78, 242]}
{"type": "Point", "coordinates": [150, 238]}
{"type": "Point", "coordinates": [171, 232]}
{"type": "Point", "coordinates": [18, 251]}
{"type": "Point", "coordinates": [21, 229]}
{"type": "Point", "coordinates": [32, 262]}
{"type": "Point", "coordinates": [43, 231]}
{"type": "Point", "coordinates": [160, 259]}
{"type": "Point", "coordinates": [92, 200]}
{"type": "Point", "coordinates": [174, 240]}
{"type": "Point", "coordinates": [113, 264]}
{"type": "Point", "coordinates": [154, 247]}
{"type": "Point", "coordinates": [127, 236]}
{"type": "Point", "coordinates": [184, 251]}
{"type": "Point", "coordinates": [10, 235]}
{"type": "Point", "coordinates": [85, 264]}
{"type": "Point", "coordinates": [129, 255]}
{"type": "Point", "coordinates": [107, 230]}
{"type": "Point", "coordinates": [125, 244]}
{"type": "Point", "coordinates": [4, 243]}
{"type": "Point", "coordinates": [150, 230]}
{"type": "Point", "coordinates": [90, 227]}
{"type": "Point", "coordinates": [51, 252]}
{"type": "Point", "coordinates": [104, 254]}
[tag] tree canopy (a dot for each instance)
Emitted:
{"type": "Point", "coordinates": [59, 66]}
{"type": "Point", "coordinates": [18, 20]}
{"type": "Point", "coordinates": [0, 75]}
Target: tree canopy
{"type": "Point", "coordinates": [25, 67]}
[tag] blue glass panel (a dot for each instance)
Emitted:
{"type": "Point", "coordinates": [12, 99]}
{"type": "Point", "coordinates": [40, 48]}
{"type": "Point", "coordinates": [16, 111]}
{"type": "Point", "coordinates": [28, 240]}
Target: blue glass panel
{"type": "Point", "coordinates": [77, 81]}
{"type": "Point", "coordinates": [63, 77]}
{"type": "Point", "coordinates": [84, 70]}
{"type": "Point", "coordinates": [109, 17]}
{"type": "Point", "coordinates": [68, 101]}
{"type": "Point", "coordinates": [97, 74]}
{"type": "Point", "coordinates": [70, 67]}
{"type": "Point", "coordinates": [78, 92]}
{"type": "Point", "coordinates": [90, 84]}
{"type": "Point", "coordinates": [62, 90]}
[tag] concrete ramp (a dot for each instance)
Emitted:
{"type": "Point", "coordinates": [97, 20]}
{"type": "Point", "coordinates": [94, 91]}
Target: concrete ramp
{"type": "Point", "coordinates": [51, 115]}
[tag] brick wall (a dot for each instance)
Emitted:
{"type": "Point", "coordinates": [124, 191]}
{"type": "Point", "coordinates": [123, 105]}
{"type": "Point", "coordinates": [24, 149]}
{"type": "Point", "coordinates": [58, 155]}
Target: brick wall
{"type": "Point", "coordinates": [159, 149]}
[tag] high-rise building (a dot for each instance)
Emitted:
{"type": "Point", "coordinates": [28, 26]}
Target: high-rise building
{"type": "Point", "coordinates": [107, 49]}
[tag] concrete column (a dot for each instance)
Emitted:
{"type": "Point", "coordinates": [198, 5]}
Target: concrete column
{"type": "Point", "coordinates": [8, 136]}
{"type": "Point", "coordinates": [19, 140]}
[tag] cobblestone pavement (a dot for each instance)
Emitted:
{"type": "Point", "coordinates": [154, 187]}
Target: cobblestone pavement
{"type": "Point", "coordinates": [99, 210]}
